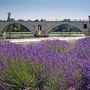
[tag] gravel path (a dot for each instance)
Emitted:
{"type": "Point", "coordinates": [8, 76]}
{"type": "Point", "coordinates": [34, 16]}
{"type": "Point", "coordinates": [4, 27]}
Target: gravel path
{"type": "Point", "coordinates": [30, 40]}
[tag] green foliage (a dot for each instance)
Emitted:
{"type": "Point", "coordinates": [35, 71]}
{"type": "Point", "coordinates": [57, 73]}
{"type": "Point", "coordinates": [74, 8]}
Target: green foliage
{"type": "Point", "coordinates": [19, 32]}
{"type": "Point", "coordinates": [18, 28]}
{"type": "Point", "coordinates": [65, 28]}
{"type": "Point", "coordinates": [66, 32]}
{"type": "Point", "coordinates": [66, 20]}
{"type": "Point", "coordinates": [15, 29]}
{"type": "Point", "coordinates": [60, 48]}
{"type": "Point", "coordinates": [20, 20]}
{"type": "Point", "coordinates": [17, 74]}
{"type": "Point", "coordinates": [36, 20]}
{"type": "Point", "coordinates": [38, 35]}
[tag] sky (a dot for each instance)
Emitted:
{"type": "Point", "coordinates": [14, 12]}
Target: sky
{"type": "Point", "coordinates": [45, 9]}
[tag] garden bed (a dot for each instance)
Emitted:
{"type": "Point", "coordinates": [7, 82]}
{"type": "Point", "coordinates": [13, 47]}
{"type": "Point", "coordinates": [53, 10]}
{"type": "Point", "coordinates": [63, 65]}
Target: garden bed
{"type": "Point", "coordinates": [46, 65]}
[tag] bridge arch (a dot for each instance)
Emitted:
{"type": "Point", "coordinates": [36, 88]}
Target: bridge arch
{"type": "Point", "coordinates": [75, 25]}
{"type": "Point", "coordinates": [28, 26]}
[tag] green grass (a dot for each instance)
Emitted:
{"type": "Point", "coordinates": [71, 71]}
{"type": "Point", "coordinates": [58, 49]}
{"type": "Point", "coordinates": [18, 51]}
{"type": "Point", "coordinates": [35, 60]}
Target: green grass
{"type": "Point", "coordinates": [66, 33]}
{"type": "Point", "coordinates": [19, 32]}
{"type": "Point", "coordinates": [50, 33]}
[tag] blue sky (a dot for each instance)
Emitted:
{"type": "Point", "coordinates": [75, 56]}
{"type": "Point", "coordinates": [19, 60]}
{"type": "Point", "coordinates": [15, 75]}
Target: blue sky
{"type": "Point", "coordinates": [45, 9]}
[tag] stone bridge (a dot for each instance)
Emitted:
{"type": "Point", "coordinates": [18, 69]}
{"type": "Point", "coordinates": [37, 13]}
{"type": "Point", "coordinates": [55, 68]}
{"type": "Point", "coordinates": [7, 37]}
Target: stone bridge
{"type": "Point", "coordinates": [45, 27]}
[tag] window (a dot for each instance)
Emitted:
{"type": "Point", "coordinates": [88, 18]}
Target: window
{"type": "Point", "coordinates": [85, 26]}
{"type": "Point", "coordinates": [39, 27]}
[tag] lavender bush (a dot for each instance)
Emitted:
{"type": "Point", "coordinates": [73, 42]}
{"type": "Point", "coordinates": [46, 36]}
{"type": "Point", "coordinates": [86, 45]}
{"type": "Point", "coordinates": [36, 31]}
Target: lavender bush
{"type": "Point", "coordinates": [82, 51]}
{"type": "Point", "coordinates": [46, 65]}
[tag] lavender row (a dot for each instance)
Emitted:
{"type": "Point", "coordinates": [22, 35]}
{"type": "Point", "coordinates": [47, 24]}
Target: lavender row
{"type": "Point", "coordinates": [47, 65]}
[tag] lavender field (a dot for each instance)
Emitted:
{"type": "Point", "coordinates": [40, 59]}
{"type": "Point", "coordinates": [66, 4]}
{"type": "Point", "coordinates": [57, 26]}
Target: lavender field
{"type": "Point", "coordinates": [46, 65]}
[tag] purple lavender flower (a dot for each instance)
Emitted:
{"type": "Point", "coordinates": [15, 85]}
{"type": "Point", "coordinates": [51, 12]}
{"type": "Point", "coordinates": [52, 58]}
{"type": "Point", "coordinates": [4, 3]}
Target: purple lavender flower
{"type": "Point", "coordinates": [46, 65]}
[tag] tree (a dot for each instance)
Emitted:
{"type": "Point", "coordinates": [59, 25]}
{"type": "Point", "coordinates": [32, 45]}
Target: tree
{"type": "Point", "coordinates": [20, 20]}
{"type": "Point", "coordinates": [66, 20]}
{"type": "Point", "coordinates": [66, 28]}
{"type": "Point", "coordinates": [42, 20]}
{"type": "Point", "coordinates": [36, 20]}
{"type": "Point", "coordinates": [15, 27]}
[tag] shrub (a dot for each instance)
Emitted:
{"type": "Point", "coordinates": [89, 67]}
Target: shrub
{"type": "Point", "coordinates": [46, 65]}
